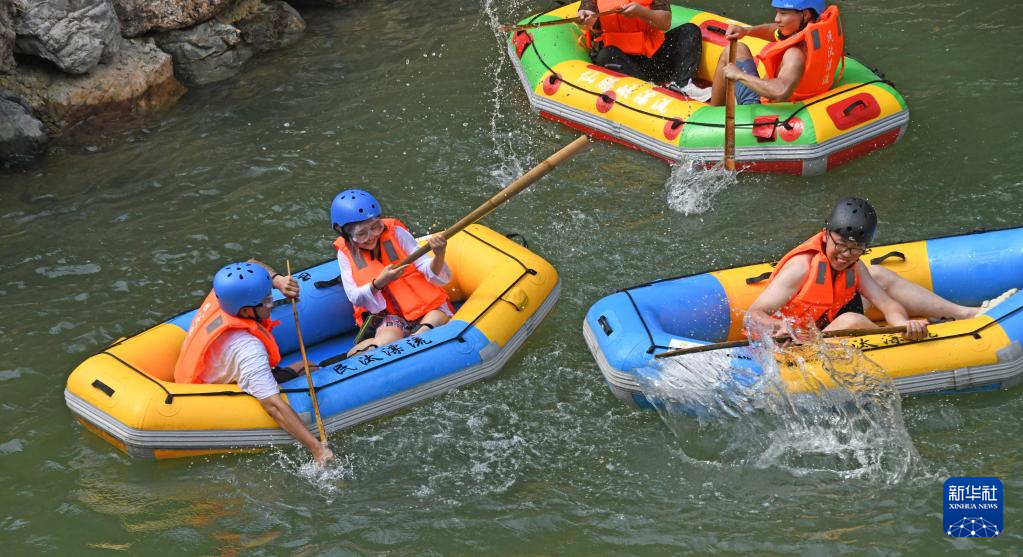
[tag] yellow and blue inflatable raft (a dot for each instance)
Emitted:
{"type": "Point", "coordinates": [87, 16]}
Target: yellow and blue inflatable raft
{"type": "Point", "coordinates": [126, 393]}
{"type": "Point", "coordinates": [626, 329]}
{"type": "Point", "coordinates": [862, 113]}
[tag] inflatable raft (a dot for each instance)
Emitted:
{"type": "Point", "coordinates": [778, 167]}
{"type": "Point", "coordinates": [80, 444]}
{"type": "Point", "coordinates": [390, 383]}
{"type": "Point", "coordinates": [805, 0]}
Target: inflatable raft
{"type": "Point", "coordinates": [126, 393]}
{"type": "Point", "coordinates": [861, 114]}
{"type": "Point", "coordinates": [625, 330]}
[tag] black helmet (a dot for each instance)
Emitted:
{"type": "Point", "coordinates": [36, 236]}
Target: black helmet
{"type": "Point", "coordinates": [853, 219]}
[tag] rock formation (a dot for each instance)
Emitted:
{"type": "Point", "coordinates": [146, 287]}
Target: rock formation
{"type": "Point", "coordinates": [140, 16]}
{"type": "Point", "coordinates": [73, 34]}
{"type": "Point", "coordinates": [321, 3]}
{"type": "Point", "coordinates": [273, 25]}
{"type": "Point", "coordinates": [65, 62]}
{"type": "Point", "coordinates": [21, 135]}
{"type": "Point", "coordinates": [138, 80]}
{"type": "Point", "coordinates": [206, 53]}
{"type": "Point", "coordinates": [6, 36]}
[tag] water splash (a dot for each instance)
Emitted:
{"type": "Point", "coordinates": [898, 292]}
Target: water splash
{"type": "Point", "coordinates": [824, 409]}
{"type": "Point", "coordinates": [691, 187]}
{"type": "Point", "coordinates": [508, 135]}
{"type": "Point", "coordinates": [329, 479]}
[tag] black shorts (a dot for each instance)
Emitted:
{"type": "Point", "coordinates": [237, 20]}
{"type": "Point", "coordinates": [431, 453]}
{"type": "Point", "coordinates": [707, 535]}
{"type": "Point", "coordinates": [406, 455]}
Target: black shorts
{"type": "Point", "coordinates": [855, 305]}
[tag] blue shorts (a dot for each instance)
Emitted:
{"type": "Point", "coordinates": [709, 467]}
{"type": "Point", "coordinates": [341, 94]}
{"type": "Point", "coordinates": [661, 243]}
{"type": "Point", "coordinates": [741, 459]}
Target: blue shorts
{"type": "Point", "coordinates": [743, 94]}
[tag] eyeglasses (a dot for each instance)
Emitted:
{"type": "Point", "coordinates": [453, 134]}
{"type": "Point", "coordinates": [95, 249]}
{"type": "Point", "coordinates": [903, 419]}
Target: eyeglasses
{"type": "Point", "coordinates": [363, 233]}
{"type": "Point", "coordinates": [843, 248]}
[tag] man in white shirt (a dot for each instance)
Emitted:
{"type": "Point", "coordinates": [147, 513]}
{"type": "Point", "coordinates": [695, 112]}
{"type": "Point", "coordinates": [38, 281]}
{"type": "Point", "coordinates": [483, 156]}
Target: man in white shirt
{"type": "Point", "coordinates": [229, 341]}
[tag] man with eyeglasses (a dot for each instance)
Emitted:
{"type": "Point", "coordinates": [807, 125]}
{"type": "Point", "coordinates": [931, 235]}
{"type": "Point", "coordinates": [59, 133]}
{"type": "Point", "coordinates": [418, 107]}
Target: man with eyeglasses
{"type": "Point", "coordinates": [822, 282]}
{"type": "Point", "coordinates": [229, 341]}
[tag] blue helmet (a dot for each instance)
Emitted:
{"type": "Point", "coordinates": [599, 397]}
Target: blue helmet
{"type": "Point", "coordinates": [240, 285]}
{"type": "Point", "coordinates": [815, 5]}
{"type": "Point", "coordinates": [352, 206]}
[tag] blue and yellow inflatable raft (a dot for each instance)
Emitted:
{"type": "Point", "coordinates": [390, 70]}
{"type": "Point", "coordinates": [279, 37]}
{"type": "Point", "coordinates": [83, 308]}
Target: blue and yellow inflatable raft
{"type": "Point", "coordinates": [625, 330]}
{"type": "Point", "coordinates": [126, 393]}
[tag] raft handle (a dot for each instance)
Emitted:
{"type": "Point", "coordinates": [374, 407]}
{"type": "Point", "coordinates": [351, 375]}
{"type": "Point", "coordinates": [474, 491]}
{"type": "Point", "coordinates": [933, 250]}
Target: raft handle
{"type": "Point", "coordinates": [879, 260]}
{"type": "Point", "coordinates": [518, 239]}
{"type": "Point", "coordinates": [107, 390]}
{"type": "Point", "coordinates": [604, 325]}
{"type": "Point", "coordinates": [715, 29]}
{"type": "Point", "coordinates": [759, 278]}
{"type": "Point", "coordinates": [854, 106]}
{"type": "Point", "coordinates": [328, 283]}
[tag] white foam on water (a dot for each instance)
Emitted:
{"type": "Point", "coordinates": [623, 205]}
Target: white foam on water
{"type": "Point", "coordinates": [691, 187]}
{"type": "Point", "coordinates": [724, 412]}
{"type": "Point", "coordinates": [328, 479]}
{"type": "Point", "coordinates": [505, 91]}
{"type": "Point", "coordinates": [68, 270]}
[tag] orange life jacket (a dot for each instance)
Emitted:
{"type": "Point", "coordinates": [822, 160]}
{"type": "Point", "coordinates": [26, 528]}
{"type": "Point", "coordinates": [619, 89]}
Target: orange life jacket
{"type": "Point", "coordinates": [630, 34]}
{"type": "Point", "coordinates": [411, 295]}
{"type": "Point", "coordinates": [208, 324]}
{"type": "Point", "coordinates": [822, 293]}
{"type": "Point", "coordinates": [824, 44]}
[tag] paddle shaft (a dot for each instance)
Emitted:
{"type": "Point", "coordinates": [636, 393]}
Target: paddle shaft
{"type": "Point", "coordinates": [730, 112]}
{"type": "Point", "coordinates": [305, 365]}
{"type": "Point", "coordinates": [738, 343]}
{"type": "Point", "coordinates": [513, 27]}
{"type": "Point", "coordinates": [524, 181]}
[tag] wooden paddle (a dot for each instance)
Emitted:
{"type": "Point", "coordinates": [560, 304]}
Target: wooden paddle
{"type": "Point", "coordinates": [508, 28]}
{"type": "Point", "coordinates": [730, 113]}
{"type": "Point", "coordinates": [305, 364]}
{"type": "Point", "coordinates": [524, 181]}
{"type": "Point", "coordinates": [738, 343]}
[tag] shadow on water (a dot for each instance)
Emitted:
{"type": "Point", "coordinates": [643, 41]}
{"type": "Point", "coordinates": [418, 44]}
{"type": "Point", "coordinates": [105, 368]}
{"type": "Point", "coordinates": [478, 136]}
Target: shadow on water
{"type": "Point", "coordinates": [826, 409]}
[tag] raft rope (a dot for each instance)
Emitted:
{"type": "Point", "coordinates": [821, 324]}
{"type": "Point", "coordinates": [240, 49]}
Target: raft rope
{"type": "Point", "coordinates": [653, 344]}
{"type": "Point", "coordinates": [170, 396]}
{"type": "Point", "coordinates": [460, 337]}
{"type": "Point", "coordinates": [677, 121]}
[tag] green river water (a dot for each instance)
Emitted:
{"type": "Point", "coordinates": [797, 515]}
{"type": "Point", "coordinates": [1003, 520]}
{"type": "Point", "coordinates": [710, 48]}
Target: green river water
{"type": "Point", "coordinates": [418, 102]}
